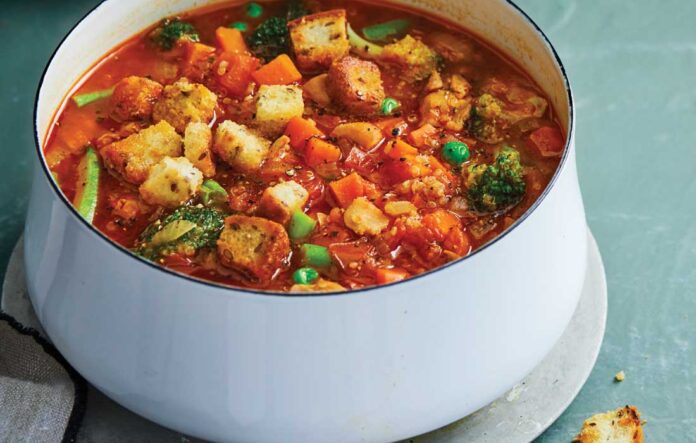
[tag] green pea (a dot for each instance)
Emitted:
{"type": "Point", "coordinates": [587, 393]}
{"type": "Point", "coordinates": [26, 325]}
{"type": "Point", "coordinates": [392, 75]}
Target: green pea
{"type": "Point", "coordinates": [455, 152]}
{"type": "Point", "coordinates": [389, 105]}
{"type": "Point", "coordinates": [305, 276]}
{"type": "Point", "coordinates": [239, 25]}
{"type": "Point", "coordinates": [254, 10]}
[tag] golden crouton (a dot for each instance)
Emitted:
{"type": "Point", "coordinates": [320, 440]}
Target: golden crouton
{"type": "Point", "coordinates": [620, 426]}
{"type": "Point", "coordinates": [133, 156]}
{"type": "Point", "coordinates": [319, 39]}
{"type": "Point", "coordinates": [280, 201]}
{"type": "Point", "coordinates": [275, 106]}
{"type": "Point", "coordinates": [254, 246]}
{"type": "Point", "coordinates": [356, 85]}
{"type": "Point", "coordinates": [171, 182]}
{"type": "Point", "coordinates": [363, 217]}
{"type": "Point", "coordinates": [320, 285]}
{"type": "Point", "coordinates": [184, 102]}
{"type": "Point", "coordinates": [198, 140]}
{"type": "Point", "coordinates": [240, 147]}
{"type": "Point", "coordinates": [133, 98]}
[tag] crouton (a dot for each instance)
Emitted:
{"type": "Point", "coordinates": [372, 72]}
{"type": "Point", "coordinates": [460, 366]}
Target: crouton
{"type": "Point", "coordinates": [184, 102]}
{"type": "Point", "coordinates": [198, 140]}
{"type": "Point", "coordinates": [356, 85]}
{"type": "Point", "coordinates": [280, 201]}
{"type": "Point", "coordinates": [620, 426]}
{"type": "Point", "coordinates": [363, 217]}
{"type": "Point", "coordinates": [240, 147]}
{"type": "Point", "coordinates": [412, 54]}
{"type": "Point", "coordinates": [320, 285]}
{"type": "Point", "coordinates": [171, 182]}
{"type": "Point", "coordinates": [133, 156]}
{"type": "Point", "coordinates": [275, 106]}
{"type": "Point", "coordinates": [319, 39]}
{"type": "Point", "coordinates": [133, 98]}
{"type": "Point", "coordinates": [254, 246]}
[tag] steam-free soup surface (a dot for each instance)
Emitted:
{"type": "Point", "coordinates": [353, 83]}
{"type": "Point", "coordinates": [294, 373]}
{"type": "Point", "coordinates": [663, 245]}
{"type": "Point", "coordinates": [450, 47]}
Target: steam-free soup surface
{"type": "Point", "coordinates": [304, 146]}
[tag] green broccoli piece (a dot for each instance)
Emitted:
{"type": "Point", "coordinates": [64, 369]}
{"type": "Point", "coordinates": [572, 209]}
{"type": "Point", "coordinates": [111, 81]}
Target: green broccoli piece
{"type": "Point", "coordinates": [498, 186]}
{"type": "Point", "coordinates": [171, 30]}
{"type": "Point", "coordinates": [270, 39]}
{"type": "Point", "coordinates": [184, 231]}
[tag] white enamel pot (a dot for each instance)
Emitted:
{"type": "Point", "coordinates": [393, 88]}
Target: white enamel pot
{"type": "Point", "coordinates": [378, 364]}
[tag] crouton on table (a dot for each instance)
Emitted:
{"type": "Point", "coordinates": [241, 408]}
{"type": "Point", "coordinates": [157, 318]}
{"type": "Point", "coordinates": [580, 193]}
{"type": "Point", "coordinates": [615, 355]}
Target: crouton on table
{"type": "Point", "coordinates": [254, 246]}
{"type": "Point", "coordinates": [240, 147]}
{"type": "Point", "coordinates": [133, 156]}
{"type": "Point", "coordinates": [198, 141]}
{"type": "Point", "coordinates": [319, 39]}
{"type": "Point", "coordinates": [133, 98]}
{"type": "Point", "coordinates": [184, 102]}
{"type": "Point", "coordinates": [171, 182]}
{"type": "Point", "coordinates": [280, 201]}
{"type": "Point", "coordinates": [620, 426]}
{"type": "Point", "coordinates": [356, 85]}
{"type": "Point", "coordinates": [275, 106]}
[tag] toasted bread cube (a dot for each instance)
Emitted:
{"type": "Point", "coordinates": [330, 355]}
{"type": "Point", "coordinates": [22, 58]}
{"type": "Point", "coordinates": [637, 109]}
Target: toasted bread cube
{"type": "Point", "coordinates": [133, 98]}
{"type": "Point", "coordinates": [320, 285]}
{"type": "Point", "coordinates": [319, 39]}
{"type": "Point", "coordinates": [280, 201]}
{"type": "Point", "coordinates": [133, 156]}
{"type": "Point", "coordinates": [356, 85]}
{"type": "Point", "coordinates": [275, 106]}
{"type": "Point", "coordinates": [184, 102]}
{"type": "Point", "coordinates": [363, 217]}
{"type": "Point", "coordinates": [198, 141]}
{"type": "Point", "coordinates": [620, 426]}
{"type": "Point", "coordinates": [240, 147]}
{"type": "Point", "coordinates": [171, 182]}
{"type": "Point", "coordinates": [254, 246]}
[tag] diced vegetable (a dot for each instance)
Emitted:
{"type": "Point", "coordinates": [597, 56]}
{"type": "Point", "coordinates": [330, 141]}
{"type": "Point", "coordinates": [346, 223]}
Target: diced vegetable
{"type": "Point", "coordinates": [497, 186]}
{"type": "Point", "coordinates": [423, 136]}
{"type": "Point", "coordinates": [87, 192]}
{"type": "Point", "coordinates": [301, 225]}
{"type": "Point", "coordinates": [364, 134]}
{"type": "Point", "coordinates": [384, 275]}
{"type": "Point", "coordinates": [441, 222]}
{"type": "Point", "coordinates": [348, 188]}
{"type": "Point", "coordinates": [213, 194]}
{"type": "Point", "coordinates": [172, 231]}
{"type": "Point", "coordinates": [305, 276]}
{"type": "Point", "coordinates": [389, 105]}
{"type": "Point", "coordinates": [91, 97]}
{"type": "Point", "coordinates": [455, 152]}
{"type": "Point", "coordinates": [231, 40]}
{"type": "Point", "coordinates": [300, 130]}
{"type": "Point", "coordinates": [279, 71]}
{"type": "Point", "coordinates": [549, 141]}
{"type": "Point", "coordinates": [172, 30]}
{"type": "Point", "coordinates": [197, 61]}
{"type": "Point", "coordinates": [398, 208]}
{"type": "Point", "coordinates": [386, 30]}
{"type": "Point", "coordinates": [270, 39]}
{"type": "Point", "coordinates": [254, 10]}
{"type": "Point", "coordinates": [239, 25]}
{"type": "Point", "coordinates": [234, 72]}
{"type": "Point", "coordinates": [362, 46]}
{"type": "Point", "coordinates": [397, 149]}
{"type": "Point", "coordinates": [315, 255]}
{"type": "Point", "coordinates": [319, 152]}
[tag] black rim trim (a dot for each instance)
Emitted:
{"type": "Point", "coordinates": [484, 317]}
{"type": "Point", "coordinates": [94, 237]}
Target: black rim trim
{"type": "Point", "coordinates": [99, 234]}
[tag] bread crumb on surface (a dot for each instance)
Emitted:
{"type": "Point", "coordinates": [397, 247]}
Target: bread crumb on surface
{"type": "Point", "coordinates": [620, 376]}
{"type": "Point", "coordinates": [620, 426]}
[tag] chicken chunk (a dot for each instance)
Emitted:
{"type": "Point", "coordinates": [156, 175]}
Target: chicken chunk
{"type": "Point", "coordinates": [133, 156]}
{"type": "Point", "coordinates": [620, 426]}
{"type": "Point", "coordinates": [448, 107]}
{"type": "Point", "coordinates": [240, 147]}
{"type": "Point", "coordinates": [133, 98]}
{"type": "Point", "coordinates": [415, 58]}
{"type": "Point", "coordinates": [280, 201]}
{"type": "Point", "coordinates": [356, 85]}
{"type": "Point", "coordinates": [275, 106]}
{"type": "Point", "coordinates": [198, 141]}
{"type": "Point", "coordinates": [320, 285]}
{"type": "Point", "coordinates": [184, 102]}
{"type": "Point", "coordinates": [319, 39]}
{"type": "Point", "coordinates": [254, 246]}
{"type": "Point", "coordinates": [171, 182]}
{"type": "Point", "coordinates": [363, 217]}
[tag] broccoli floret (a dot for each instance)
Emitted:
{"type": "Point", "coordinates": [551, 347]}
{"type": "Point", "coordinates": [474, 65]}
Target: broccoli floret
{"type": "Point", "coordinates": [171, 30]}
{"type": "Point", "coordinates": [270, 39]}
{"type": "Point", "coordinates": [498, 186]}
{"type": "Point", "coordinates": [184, 231]}
{"type": "Point", "coordinates": [417, 57]}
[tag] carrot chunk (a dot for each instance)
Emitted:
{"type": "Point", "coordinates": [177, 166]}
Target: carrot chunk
{"type": "Point", "coordinates": [234, 72]}
{"type": "Point", "coordinates": [318, 151]}
{"type": "Point", "coordinates": [441, 222]}
{"type": "Point", "coordinates": [197, 61]}
{"type": "Point", "coordinates": [423, 136]}
{"type": "Point", "coordinates": [231, 40]}
{"type": "Point", "coordinates": [279, 71]}
{"type": "Point", "coordinates": [300, 130]}
{"type": "Point", "coordinates": [384, 275]}
{"type": "Point", "coordinates": [348, 188]}
{"type": "Point", "coordinates": [397, 149]}
{"type": "Point", "coordinates": [549, 141]}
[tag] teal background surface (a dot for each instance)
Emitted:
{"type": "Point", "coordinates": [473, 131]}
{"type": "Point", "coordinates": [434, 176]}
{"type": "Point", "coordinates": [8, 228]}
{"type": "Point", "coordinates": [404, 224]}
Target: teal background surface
{"type": "Point", "coordinates": [632, 65]}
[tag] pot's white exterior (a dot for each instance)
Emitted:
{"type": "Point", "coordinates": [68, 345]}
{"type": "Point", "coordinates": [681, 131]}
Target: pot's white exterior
{"type": "Point", "coordinates": [372, 365]}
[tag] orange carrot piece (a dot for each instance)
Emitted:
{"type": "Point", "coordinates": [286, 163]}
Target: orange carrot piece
{"type": "Point", "coordinates": [397, 149]}
{"type": "Point", "coordinates": [441, 222]}
{"type": "Point", "coordinates": [384, 275]}
{"type": "Point", "coordinates": [279, 71]}
{"type": "Point", "coordinates": [231, 40]}
{"type": "Point", "coordinates": [392, 127]}
{"type": "Point", "coordinates": [197, 61]}
{"type": "Point", "coordinates": [423, 136]}
{"type": "Point", "coordinates": [300, 130]}
{"type": "Point", "coordinates": [348, 188]}
{"type": "Point", "coordinates": [318, 151]}
{"type": "Point", "coordinates": [549, 141]}
{"type": "Point", "coordinates": [234, 72]}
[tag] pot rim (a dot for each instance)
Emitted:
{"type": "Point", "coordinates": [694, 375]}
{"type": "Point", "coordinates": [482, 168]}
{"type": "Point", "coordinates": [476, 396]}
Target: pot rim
{"type": "Point", "coordinates": [94, 231]}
